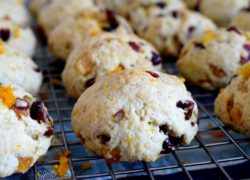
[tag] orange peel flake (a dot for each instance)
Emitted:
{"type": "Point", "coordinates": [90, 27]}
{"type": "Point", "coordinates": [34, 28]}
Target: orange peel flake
{"type": "Point", "coordinates": [24, 164]}
{"type": "Point", "coordinates": [7, 96]}
{"type": "Point", "coordinates": [62, 168]}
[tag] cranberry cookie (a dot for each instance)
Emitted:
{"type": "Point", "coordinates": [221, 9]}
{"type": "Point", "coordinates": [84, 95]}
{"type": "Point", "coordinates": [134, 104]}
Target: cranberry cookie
{"type": "Point", "coordinates": [232, 105]}
{"type": "Point", "coordinates": [211, 59]}
{"type": "Point", "coordinates": [25, 129]}
{"type": "Point", "coordinates": [104, 53]}
{"type": "Point", "coordinates": [135, 115]}
{"type": "Point", "coordinates": [18, 37]}
{"type": "Point", "coordinates": [85, 24]}
{"type": "Point", "coordinates": [18, 69]}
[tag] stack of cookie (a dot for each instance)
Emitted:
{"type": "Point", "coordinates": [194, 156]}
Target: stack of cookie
{"type": "Point", "coordinates": [25, 126]}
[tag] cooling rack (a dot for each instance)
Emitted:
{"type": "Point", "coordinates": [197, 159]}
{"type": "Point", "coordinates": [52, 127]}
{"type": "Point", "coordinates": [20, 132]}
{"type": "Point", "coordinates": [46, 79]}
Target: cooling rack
{"type": "Point", "coordinates": [217, 152]}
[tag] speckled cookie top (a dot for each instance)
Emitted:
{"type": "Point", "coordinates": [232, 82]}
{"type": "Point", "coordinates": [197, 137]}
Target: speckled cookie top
{"type": "Point", "coordinates": [142, 114]}
{"type": "Point", "coordinates": [85, 24]}
{"type": "Point", "coordinates": [18, 69]}
{"type": "Point", "coordinates": [25, 128]}
{"type": "Point", "coordinates": [215, 56]}
{"type": "Point", "coordinates": [103, 53]}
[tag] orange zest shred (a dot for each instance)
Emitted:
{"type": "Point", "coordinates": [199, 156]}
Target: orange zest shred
{"type": "Point", "coordinates": [16, 32]}
{"type": "Point", "coordinates": [116, 70]}
{"type": "Point", "coordinates": [218, 134]}
{"type": "Point", "coordinates": [1, 47]}
{"type": "Point", "coordinates": [7, 96]}
{"type": "Point", "coordinates": [208, 37]}
{"type": "Point", "coordinates": [235, 114]}
{"type": "Point", "coordinates": [62, 168]}
{"type": "Point", "coordinates": [245, 70]}
{"type": "Point", "coordinates": [86, 166]}
{"type": "Point", "coordinates": [24, 164]}
{"type": "Point", "coordinates": [182, 79]}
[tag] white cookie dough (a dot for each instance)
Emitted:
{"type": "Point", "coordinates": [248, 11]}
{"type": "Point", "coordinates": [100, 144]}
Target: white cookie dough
{"type": "Point", "coordinates": [18, 37]}
{"type": "Point", "coordinates": [103, 53]}
{"type": "Point", "coordinates": [58, 10]}
{"type": "Point", "coordinates": [135, 115]}
{"type": "Point", "coordinates": [242, 20]}
{"type": "Point", "coordinates": [220, 11]}
{"type": "Point", "coordinates": [194, 24]}
{"type": "Point", "coordinates": [25, 129]}
{"type": "Point", "coordinates": [76, 29]}
{"type": "Point", "coordinates": [232, 105]}
{"type": "Point", "coordinates": [211, 59]}
{"type": "Point", "coordinates": [18, 69]}
{"type": "Point", "coordinates": [168, 26]}
{"type": "Point", "coordinates": [15, 12]}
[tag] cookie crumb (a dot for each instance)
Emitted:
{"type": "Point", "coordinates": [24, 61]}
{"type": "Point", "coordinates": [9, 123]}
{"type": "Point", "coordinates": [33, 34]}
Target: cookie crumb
{"type": "Point", "coordinates": [62, 168]}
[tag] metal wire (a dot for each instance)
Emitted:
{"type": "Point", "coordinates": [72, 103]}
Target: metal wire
{"type": "Point", "coordinates": [211, 136]}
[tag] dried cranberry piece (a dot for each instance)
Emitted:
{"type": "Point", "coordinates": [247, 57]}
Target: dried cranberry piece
{"type": "Point", "coordinates": [171, 143]}
{"type": "Point", "coordinates": [187, 106]}
{"type": "Point", "coordinates": [234, 29]}
{"type": "Point", "coordinates": [113, 22]}
{"type": "Point", "coordinates": [156, 59]}
{"type": "Point", "coordinates": [161, 4]}
{"type": "Point", "coordinates": [104, 139]}
{"type": "Point", "coordinates": [153, 74]}
{"type": "Point", "coordinates": [175, 14]}
{"type": "Point", "coordinates": [38, 70]}
{"type": "Point", "coordinates": [49, 132]}
{"type": "Point", "coordinates": [38, 112]}
{"type": "Point", "coordinates": [89, 82]}
{"type": "Point", "coordinates": [247, 47]}
{"type": "Point", "coordinates": [199, 45]}
{"type": "Point", "coordinates": [21, 104]}
{"type": "Point", "coordinates": [191, 30]}
{"type": "Point", "coordinates": [136, 47]}
{"type": "Point", "coordinates": [244, 60]}
{"type": "Point", "coordinates": [5, 34]}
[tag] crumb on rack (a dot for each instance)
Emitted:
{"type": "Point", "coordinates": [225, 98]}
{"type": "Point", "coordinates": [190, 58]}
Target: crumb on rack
{"type": "Point", "coordinates": [86, 166]}
{"type": "Point", "coordinates": [62, 168]}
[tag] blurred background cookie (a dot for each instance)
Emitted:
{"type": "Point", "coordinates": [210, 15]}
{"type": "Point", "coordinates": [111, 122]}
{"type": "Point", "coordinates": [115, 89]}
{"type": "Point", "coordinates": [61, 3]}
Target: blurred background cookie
{"type": "Point", "coordinates": [103, 53]}
{"type": "Point", "coordinates": [232, 105]}
{"type": "Point", "coordinates": [77, 29]}
{"type": "Point", "coordinates": [211, 59]}
{"type": "Point", "coordinates": [18, 69]}
{"type": "Point", "coordinates": [18, 37]}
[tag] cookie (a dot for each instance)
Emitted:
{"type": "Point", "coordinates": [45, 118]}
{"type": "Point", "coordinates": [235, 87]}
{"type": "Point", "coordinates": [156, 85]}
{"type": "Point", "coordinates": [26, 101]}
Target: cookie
{"type": "Point", "coordinates": [124, 6]}
{"type": "Point", "coordinates": [35, 6]}
{"type": "Point", "coordinates": [232, 106]}
{"type": "Point", "coordinates": [18, 37]}
{"type": "Point", "coordinates": [58, 10]}
{"type": "Point", "coordinates": [62, 39]}
{"type": "Point", "coordinates": [159, 25]}
{"type": "Point", "coordinates": [18, 69]}
{"type": "Point", "coordinates": [142, 115]}
{"type": "Point", "coordinates": [103, 53]}
{"type": "Point", "coordinates": [193, 24]}
{"type": "Point", "coordinates": [169, 26]}
{"type": "Point", "coordinates": [15, 12]}
{"type": "Point", "coordinates": [242, 20]}
{"type": "Point", "coordinates": [221, 12]}
{"type": "Point", "coordinates": [211, 59]}
{"type": "Point", "coordinates": [25, 128]}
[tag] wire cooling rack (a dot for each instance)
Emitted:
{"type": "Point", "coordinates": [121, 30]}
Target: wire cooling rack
{"type": "Point", "coordinates": [217, 152]}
